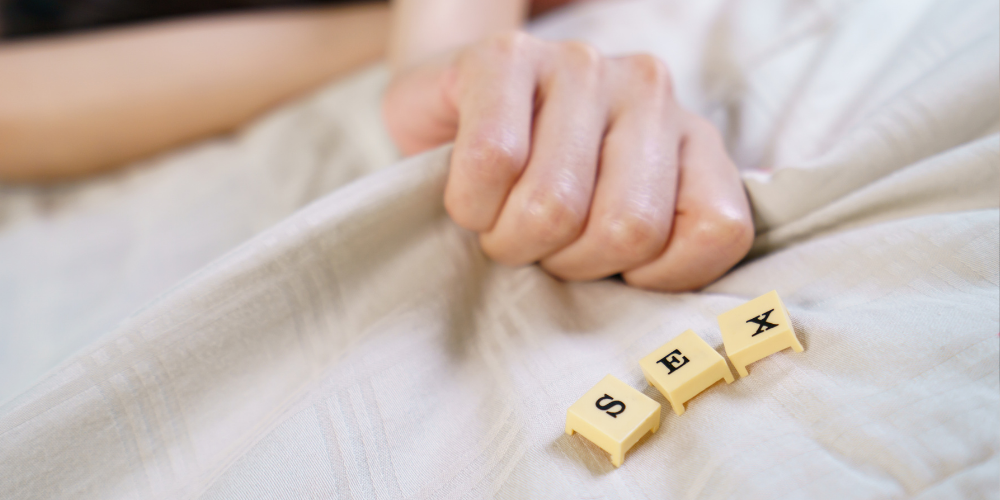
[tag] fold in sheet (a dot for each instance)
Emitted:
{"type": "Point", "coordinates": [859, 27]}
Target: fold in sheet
{"type": "Point", "coordinates": [363, 347]}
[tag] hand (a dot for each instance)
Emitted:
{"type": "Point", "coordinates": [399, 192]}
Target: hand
{"type": "Point", "coordinates": [583, 163]}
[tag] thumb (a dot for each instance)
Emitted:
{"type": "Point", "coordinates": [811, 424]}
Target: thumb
{"type": "Point", "coordinates": [419, 106]}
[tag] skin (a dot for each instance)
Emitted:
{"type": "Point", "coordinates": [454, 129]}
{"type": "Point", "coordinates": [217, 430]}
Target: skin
{"type": "Point", "coordinates": [79, 104]}
{"type": "Point", "coordinates": [563, 156]}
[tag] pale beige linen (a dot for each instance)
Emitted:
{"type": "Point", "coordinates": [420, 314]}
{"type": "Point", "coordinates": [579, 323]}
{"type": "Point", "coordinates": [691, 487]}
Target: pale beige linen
{"type": "Point", "coordinates": [363, 347]}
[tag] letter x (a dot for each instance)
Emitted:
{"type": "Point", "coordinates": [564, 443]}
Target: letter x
{"type": "Point", "coordinates": [762, 324]}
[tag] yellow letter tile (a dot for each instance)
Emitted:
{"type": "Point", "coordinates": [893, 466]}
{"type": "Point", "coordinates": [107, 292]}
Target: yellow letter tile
{"type": "Point", "coordinates": [756, 330]}
{"type": "Point", "coordinates": [614, 416]}
{"type": "Point", "coordinates": [683, 367]}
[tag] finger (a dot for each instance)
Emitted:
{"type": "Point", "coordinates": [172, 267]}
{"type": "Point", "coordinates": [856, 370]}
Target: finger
{"type": "Point", "coordinates": [417, 114]}
{"type": "Point", "coordinates": [548, 206]}
{"type": "Point", "coordinates": [494, 92]}
{"type": "Point", "coordinates": [633, 204]}
{"type": "Point", "coordinates": [713, 226]}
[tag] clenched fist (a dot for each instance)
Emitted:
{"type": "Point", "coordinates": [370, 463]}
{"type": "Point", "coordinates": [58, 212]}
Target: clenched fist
{"type": "Point", "coordinates": [581, 162]}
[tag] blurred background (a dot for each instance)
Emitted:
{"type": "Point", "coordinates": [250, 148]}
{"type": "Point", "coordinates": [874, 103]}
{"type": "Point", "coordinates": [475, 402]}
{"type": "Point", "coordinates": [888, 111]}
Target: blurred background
{"type": "Point", "coordinates": [21, 19]}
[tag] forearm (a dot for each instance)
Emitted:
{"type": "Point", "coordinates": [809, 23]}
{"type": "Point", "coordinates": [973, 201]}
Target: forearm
{"type": "Point", "coordinates": [423, 28]}
{"type": "Point", "coordinates": [74, 105]}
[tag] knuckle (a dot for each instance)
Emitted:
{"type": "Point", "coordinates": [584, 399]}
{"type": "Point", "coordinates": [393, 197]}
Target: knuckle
{"type": "Point", "coordinates": [491, 157]}
{"type": "Point", "coordinates": [550, 217]}
{"type": "Point", "coordinates": [632, 237]}
{"type": "Point", "coordinates": [650, 73]}
{"type": "Point", "coordinates": [484, 162]}
{"type": "Point", "coordinates": [724, 231]}
{"type": "Point", "coordinates": [581, 57]}
{"type": "Point", "coordinates": [508, 46]}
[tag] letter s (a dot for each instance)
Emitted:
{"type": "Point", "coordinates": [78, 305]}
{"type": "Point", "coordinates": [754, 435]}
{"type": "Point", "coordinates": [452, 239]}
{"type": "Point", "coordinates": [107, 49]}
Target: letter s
{"type": "Point", "coordinates": [610, 405]}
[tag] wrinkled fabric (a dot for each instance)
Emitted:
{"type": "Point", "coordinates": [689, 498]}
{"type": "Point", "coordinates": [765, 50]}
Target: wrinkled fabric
{"type": "Point", "coordinates": [364, 347]}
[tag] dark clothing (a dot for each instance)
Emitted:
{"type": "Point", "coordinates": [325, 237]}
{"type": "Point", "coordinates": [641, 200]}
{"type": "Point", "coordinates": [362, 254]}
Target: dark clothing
{"type": "Point", "coordinates": [25, 18]}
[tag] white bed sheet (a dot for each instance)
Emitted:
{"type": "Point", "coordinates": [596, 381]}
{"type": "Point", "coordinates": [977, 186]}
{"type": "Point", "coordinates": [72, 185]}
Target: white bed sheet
{"type": "Point", "coordinates": [363, 347]}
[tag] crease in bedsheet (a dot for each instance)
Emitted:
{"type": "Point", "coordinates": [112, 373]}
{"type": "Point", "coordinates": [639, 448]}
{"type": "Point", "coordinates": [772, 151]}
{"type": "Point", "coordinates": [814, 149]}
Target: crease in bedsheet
{"type": "Point", "coordinates": [230, 282]}
{"type": "Point", "coordinates": [876, 149]}
{"type": "Point", "coordinates": [364, 347]}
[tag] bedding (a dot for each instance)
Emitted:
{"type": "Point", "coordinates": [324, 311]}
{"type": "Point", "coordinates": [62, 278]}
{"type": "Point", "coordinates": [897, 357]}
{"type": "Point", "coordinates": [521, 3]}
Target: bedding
{"type": "Point", "coordinates": [289, 312]}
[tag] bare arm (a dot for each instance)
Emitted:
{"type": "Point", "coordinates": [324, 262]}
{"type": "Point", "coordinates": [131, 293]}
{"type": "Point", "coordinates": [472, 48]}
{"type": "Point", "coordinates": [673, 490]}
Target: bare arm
{"type": "Point", "coordinates": [74, 105]}
{"type": "Point", "coordinates": [425, 28]}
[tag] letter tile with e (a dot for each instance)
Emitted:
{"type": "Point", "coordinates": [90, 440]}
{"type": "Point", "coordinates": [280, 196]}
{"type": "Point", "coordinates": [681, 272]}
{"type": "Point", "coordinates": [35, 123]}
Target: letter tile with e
{"type": "Point", "coordinates": [683, 367]}
{"type": "Point", "coordinates": [613, 416]}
